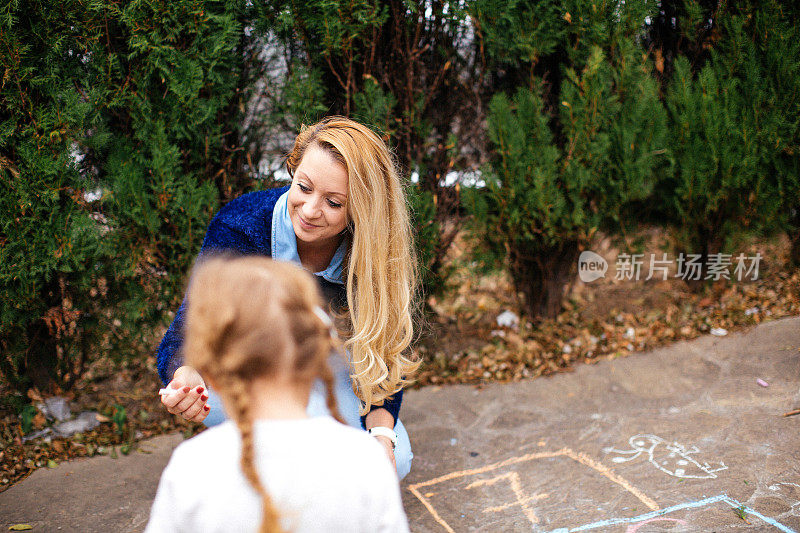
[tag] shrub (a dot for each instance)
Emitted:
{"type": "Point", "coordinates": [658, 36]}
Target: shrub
{"type": "Point", "coordinates": [543, 201]}
{"type": "Point", "coordinates": [734, 135]}
{"type": "Point", "coordinates": [118, 124]}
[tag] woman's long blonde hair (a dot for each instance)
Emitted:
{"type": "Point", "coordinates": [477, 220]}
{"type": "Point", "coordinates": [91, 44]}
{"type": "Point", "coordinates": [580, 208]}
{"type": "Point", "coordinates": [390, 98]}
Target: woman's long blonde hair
{"type": "Point", "coordinates": [251, 317]}
{"type": "Point", "coordinates": [382, 268]}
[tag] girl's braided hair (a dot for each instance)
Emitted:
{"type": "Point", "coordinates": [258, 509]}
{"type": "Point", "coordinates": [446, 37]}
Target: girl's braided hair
{"type": "Point", "coordinates": [251, 317]}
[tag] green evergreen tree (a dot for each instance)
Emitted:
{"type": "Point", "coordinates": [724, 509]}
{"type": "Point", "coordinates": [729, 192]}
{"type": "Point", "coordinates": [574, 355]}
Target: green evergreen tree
{"type": "Point", "coordinates": [118, 120]}
{"type": "Point", "coordinates": [734, 134]}
{"type": "Point", "coordinates": [571, 151]}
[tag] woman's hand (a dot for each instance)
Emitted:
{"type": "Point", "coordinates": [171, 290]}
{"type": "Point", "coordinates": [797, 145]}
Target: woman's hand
{"type": "Point", "coordinates": [387, 446]}
{"type": "Point", "coordinates": [190, 400]}
{"type": "Point", "coordinates": [381, 417]}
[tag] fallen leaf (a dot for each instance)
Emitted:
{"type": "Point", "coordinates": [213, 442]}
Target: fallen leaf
{"type": "Point", "coordinates": [34, 395]}
{"type": "Point", "coordinates": [20, 527]}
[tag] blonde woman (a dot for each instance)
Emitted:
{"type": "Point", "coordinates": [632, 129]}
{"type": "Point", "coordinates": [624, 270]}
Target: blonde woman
{"type": "Point", "coordinates": [345, 219]}
{"type": "Point", "coordinates": [255, 330]}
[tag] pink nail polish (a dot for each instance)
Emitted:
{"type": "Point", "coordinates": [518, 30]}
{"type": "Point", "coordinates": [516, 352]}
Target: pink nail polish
{"type": "Point", "coordinates": [199, 390]}
{"type": "Point", "coordinates": [187, 389]}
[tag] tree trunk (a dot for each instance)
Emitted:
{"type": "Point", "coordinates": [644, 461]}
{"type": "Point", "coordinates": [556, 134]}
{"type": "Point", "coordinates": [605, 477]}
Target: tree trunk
{"type": "Point", "coordinates": [711, 244]}
{"type": "Point", "coordinates": [794, 236]}
{"type": "Point", "coordinates": [41, 360]}
{"type": "Point", "coordinates": [794, 251]}
{"type": "Point", "coordinates": [541, 277]}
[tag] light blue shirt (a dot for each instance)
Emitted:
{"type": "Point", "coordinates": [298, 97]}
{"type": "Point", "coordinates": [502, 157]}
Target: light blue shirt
{"type": "Point", "coordinates": [284, 243]}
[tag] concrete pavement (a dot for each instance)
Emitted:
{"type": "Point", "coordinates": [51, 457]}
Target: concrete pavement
{"type": "Point", "coordinates": [682, 438]}
{"type": "Point", "coordinates": [97, 495]}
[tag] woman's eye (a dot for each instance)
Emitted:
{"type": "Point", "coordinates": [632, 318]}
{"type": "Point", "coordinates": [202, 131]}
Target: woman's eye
{"type": "Point", "coordinates": [334, 204]}
{"type": "Point", "coordinates": [303, 187]}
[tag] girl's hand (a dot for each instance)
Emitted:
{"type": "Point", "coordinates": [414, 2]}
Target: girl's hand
{"type": "Point", "coordinates": [190, 399]}
{"type": "Point", "coordinates": [387, 446]}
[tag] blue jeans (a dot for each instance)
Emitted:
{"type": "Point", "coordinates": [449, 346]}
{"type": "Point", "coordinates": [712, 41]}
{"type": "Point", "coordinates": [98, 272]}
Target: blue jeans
{"type": "Point", "coordinates": [348, 405]}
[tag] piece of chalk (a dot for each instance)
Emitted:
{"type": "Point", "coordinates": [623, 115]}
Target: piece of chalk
{"type": "Point", "coordinates": [762, 382]}
{"type": "Point", "coordinates": [167, 392]}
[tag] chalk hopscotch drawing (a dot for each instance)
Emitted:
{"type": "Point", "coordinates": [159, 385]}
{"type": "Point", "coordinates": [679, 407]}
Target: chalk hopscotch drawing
{"type": "Point", "coordinates": [632, 524]}
{"type": "Point", "coordinates": [516, 486]}
{"type": "Point", "coordinates": [671, 458]}
{"type": "Point", "coordinates": [640, 520]}
{"type": "Point", "coordinates": [522, 499]}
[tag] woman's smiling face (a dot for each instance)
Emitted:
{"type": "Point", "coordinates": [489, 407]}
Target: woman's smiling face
{"type": "Point", "coordinates": [318, 198]}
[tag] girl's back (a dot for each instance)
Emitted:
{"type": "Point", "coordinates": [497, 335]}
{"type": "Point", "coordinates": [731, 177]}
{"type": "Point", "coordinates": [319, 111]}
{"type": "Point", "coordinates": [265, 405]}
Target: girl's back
{"type": "Point", "coordinates": [343, 483]}
{"type": "Point", "coordinates": [255, 329]}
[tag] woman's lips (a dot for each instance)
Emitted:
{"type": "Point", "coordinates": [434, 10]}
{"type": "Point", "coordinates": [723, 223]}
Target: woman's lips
{"type": "Point", "coordinates": [305, 224]}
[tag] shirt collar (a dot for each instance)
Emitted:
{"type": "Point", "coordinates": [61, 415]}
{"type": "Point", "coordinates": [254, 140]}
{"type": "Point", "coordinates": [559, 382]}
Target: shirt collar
{"type": "Point", "coordinates": [284, 243]}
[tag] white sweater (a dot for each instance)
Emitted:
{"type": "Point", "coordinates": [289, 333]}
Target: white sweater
{"type": "Point", "coordinates": [321, 476]}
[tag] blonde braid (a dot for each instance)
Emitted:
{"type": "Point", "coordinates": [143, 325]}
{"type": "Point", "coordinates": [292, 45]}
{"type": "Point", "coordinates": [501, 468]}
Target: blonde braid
{"type": "Point", "coordinates": [330, 398]}
{"type": "Point", "coordinates": [330, 345]}
{"type": "Point", "coordinates": [237, 391]}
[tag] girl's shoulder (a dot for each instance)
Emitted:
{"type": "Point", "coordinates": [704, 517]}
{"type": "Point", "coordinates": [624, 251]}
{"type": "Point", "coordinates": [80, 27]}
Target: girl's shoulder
{"type": "Point", "coordinates": [322, 433]}
{"type": "Point", "coordinates": [223, 437]}
{"type": "Point", "coordinates": [344, 441]}
{"type": "Point", "coordinates": [345, 452]}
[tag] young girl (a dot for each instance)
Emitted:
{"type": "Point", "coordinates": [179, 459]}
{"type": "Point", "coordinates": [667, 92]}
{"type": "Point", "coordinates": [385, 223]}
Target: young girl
{"type": "Point", "coordinates": [256, 332]}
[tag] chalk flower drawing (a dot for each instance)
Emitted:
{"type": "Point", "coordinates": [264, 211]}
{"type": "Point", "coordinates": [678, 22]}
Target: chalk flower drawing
{"type": "Point", "coordinates": [671, 458]}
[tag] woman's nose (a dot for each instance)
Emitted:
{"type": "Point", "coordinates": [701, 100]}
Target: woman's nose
{"type": "Point", "coordinates": [311, 209]}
